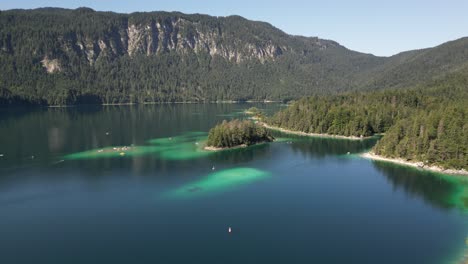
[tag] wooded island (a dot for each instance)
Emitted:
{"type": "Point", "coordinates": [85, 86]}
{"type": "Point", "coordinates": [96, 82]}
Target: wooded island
{"type": "Point", "coordinates": [237, 133]}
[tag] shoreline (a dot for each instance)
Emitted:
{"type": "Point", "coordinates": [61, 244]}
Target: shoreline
{"type": "Point", "coordinates": [210, 148]}
{"type": "Point", "coordinates": [312, 134]}
{"type": "Point", "coordinates": [156, 103]}
{"type": "Point", "coordinates": [419, 165]}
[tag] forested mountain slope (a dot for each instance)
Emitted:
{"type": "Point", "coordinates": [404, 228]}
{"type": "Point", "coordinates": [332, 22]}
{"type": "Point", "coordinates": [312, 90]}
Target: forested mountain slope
{"type": "Point", "coordinates": [60, 56]}
{"type": "Point", "coordinates": [418, 66]}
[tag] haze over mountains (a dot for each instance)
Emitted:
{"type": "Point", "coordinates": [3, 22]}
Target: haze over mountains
{"type": "Point", "coordinates": [60, 56]}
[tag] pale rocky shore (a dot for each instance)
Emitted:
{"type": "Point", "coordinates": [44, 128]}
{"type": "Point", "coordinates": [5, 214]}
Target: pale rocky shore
{"type": "Point", "coordinates": [312, 134]}
{"type": "Point", "coordinates": [211, 148]}
{"type": "Point", "coordinates": [420, 165]}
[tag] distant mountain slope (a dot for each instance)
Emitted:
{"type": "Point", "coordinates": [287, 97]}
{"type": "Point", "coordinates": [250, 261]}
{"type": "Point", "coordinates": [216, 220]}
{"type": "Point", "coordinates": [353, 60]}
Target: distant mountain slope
{"type": "Point", "coordinates": [60, 56]}
{"type": "Point", "coordinates": [414, 67]}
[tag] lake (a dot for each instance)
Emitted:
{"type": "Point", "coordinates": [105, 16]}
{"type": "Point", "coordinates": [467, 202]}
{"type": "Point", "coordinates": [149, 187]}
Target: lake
{"type": "Point", "coordinates": [130, 184]}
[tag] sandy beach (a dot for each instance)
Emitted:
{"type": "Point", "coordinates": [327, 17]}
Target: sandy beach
{"type": "Point", "coordinates": [210, 148]}
{"type": "Point", "coordinates": [420, 165]}
{"type": "Point", "coordinates": [312, 134]}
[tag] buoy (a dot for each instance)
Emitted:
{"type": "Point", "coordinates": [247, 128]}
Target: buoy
{"type": "Point", "coordinates": [348, 153]}
{"type": "Point", "coordinates": [32, 157]}
{"type": "Point", "coordinates": [60, 161]}
{"type": "Point", "coordinates": [229, 230]}
{"type": "Point", "coordinates": [213, 168]}
{"type": "Point", "coordinates": [107, 133]}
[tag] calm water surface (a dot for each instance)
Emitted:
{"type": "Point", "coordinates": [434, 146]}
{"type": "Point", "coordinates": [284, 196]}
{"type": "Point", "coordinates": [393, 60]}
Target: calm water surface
{"type": "Point", "coordinates": [67, 196]}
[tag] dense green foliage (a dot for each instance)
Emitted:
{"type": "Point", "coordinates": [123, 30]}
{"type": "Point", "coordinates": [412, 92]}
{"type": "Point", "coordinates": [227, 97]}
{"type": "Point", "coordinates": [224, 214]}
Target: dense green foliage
{"type": "Point", "coordinates": [415, 67]}
{"type": "Point", "coordinates": [427, 123]}
{"type": "Point", "coordinates": [104, 57]}
{"type": "Point", "coordinates": [439, 136]}
{"type": "Point", "coordinates": [101, 61]}
{"type": "Point", "coordinates": [236, 133]}
{"type": "Point", "coordinates": [58, 56]}
{"type": "Point", "coordinates": [352, 114]}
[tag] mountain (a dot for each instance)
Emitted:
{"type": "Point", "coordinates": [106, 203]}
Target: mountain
{"type": "Point", "coordinates": [416, 67]}
{"type": "Point", "coordinates": [59, 56]}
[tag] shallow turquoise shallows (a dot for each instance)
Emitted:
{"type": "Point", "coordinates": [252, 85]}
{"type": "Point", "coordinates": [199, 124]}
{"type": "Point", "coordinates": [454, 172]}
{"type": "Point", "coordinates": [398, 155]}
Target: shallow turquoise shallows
{"type": "Point", "coordinates": [133, 184]}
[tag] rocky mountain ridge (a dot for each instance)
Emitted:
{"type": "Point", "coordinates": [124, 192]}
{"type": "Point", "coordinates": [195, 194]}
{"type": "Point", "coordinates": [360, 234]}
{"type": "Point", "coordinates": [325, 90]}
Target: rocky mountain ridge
{"type": "Point", "coordinates": [62, 56]}
{"type": "Point", "coordinates": [157, 33]}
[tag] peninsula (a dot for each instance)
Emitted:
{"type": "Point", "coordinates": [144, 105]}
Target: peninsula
{"type": "Point", "coordinates": [423, 126]}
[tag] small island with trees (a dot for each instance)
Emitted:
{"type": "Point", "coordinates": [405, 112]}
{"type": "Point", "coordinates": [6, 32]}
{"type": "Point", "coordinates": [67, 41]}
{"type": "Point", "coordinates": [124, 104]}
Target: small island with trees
{"type": "Point", "coordinates": [255, 113]}
{"type": "Point", "coordinates": [236, 133]}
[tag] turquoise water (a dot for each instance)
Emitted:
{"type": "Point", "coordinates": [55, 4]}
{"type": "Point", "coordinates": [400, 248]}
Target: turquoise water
{"type": "Point", "coordinates": [69, 195]}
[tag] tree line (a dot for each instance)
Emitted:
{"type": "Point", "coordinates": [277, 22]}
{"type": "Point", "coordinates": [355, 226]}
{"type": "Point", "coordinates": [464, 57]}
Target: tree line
{"type": "Point", "coordinates": [428, 123]}
{"type": "Point", "coordinates": [236, 133]}
{"type": "Point", "coordinates": [90, 74]}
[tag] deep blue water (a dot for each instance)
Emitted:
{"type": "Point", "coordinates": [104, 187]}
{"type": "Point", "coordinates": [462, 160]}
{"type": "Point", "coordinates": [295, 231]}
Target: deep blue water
{"type": "Point", "coordinates": [316, 204]}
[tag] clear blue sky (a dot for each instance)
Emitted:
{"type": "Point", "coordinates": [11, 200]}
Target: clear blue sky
{"type": "Point", "coordinates": [378, 27]}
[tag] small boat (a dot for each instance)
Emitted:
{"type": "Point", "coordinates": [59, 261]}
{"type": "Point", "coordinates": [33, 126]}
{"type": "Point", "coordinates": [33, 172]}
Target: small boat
{"type": "Point", "coordinates": [213, 168]}
{"type": "Point", "coordinates": [229, 230]}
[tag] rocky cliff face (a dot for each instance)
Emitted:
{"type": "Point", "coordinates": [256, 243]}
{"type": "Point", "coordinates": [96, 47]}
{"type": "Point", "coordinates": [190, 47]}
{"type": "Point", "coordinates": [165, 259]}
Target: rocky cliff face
{"type": "Point", "coordinates": [177, 34]}
{"type": "Point", "coordinates": [158, 36]}
{"type": "Point", "coordinates": [91, 36]}
{"type": "Point", "coordinates": [62, 56]}
{"type": "Point", "coordinates": [51, 65]}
